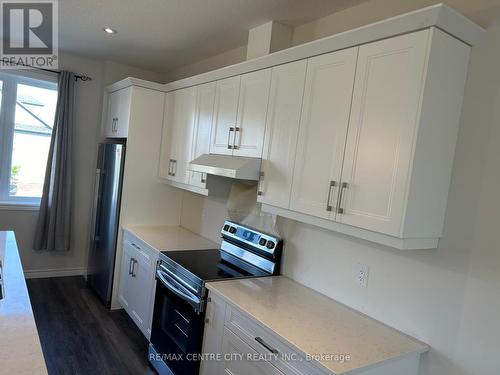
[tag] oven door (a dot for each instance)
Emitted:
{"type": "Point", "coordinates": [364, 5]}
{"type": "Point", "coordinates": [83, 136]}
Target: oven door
{"type": "Point", "coordinates": [177, 328]}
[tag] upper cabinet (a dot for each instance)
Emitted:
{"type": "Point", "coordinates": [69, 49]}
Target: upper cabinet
{"type": "Point", "coordinates": [252, 110]}
{"type": "Point", "coordinates": [240, 114]}
{"type": "Point", "coordinates": [204, 111]}
{"type": "Point", "coordinates": [119, 112]}
{"type": "Point", "coordinates": [282, 128]}
{"type": "Point", "coordinates": [177, 135]}
{"type": "Point", "coordinates": [356, 132]}
{"type": "Point", "coordinates": [376, 140]}
{"type": "Point", "coordinates": [382, 131]}
{"type": "Point", "coordinates": [227, 94]}
{"type": "Point", "coordinates": [322, 134]}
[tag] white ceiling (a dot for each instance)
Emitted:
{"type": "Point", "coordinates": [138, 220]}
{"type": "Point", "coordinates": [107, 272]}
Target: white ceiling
{"type": "Point", "coordinates": [164, 34]}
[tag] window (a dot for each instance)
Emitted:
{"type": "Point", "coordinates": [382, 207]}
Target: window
{"type": "Point", "coordinates": [27, 110]}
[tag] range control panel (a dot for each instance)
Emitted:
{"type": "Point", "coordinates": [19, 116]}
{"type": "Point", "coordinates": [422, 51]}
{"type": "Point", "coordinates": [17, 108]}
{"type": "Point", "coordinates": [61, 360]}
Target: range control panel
{"type": "Point", "coordinates": [251, 237]}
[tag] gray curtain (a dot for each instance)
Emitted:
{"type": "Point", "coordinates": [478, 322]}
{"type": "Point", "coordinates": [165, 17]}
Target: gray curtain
{"type": "Point", "coordinates": [53, 230]}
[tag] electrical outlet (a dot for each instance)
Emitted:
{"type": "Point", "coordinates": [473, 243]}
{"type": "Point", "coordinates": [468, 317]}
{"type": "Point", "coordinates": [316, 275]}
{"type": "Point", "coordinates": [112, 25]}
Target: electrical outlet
{"type": "Point", "coordinates": [362, 272]}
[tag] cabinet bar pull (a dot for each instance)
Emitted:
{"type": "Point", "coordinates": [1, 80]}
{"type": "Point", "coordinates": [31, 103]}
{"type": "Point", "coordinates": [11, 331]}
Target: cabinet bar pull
{"type": "Point", "coordinates": [130, 266]}
{"type": "Point", "coordinates": [229, 146]}
{"type": "Point", "coordinates": [235, 146]}
{"type": "Point", "coordinates": [203, 178]}
{"type": "Point", "coordinates": [134, 262]}
{"type": "Point", "coordinates": [329, 207]}
{"type": "Point", "coordinates": [266, 345]}
{"type": "Point", "coordinates": [259, 184]}
{"type": "Point", "coordinates": [174, 168]}
{"type": "Point", "coordinates": [343, 186]}
{"type": "Point", "coordinates": [170, 167]}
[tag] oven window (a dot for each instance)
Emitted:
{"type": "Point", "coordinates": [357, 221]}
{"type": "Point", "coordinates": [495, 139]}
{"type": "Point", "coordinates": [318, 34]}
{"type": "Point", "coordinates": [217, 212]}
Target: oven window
{"type": "Point", "coordinates": [175, 324]}
{"type": "Point", "coordinates": [177, 330]}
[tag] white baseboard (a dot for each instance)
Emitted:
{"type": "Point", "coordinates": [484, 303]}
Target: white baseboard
{"type": "Point", "coordinates": [56, 272]}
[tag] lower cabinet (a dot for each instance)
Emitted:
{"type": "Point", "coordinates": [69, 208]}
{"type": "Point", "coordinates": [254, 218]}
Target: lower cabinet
{"type": "Point", "coordinates": [239, 356]}
{"type": "Point", "coordinates": [234, 343]}
{"type": "Point", "coordinates": [137, 283]}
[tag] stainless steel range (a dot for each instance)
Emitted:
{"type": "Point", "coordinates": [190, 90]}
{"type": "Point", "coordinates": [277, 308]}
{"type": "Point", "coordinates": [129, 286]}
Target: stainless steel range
{"type": "Point", "coordinates": [181, 296]}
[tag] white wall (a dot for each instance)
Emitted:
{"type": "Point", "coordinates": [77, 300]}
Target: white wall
{"type": "Point", "coordinates": [448, 297]}
{"type": "Point", "coordinates": [230, 57]}
{"type": "Point", "coordinates": [88, 108]}
{"type": "Point", "coordinates": [114, 72]}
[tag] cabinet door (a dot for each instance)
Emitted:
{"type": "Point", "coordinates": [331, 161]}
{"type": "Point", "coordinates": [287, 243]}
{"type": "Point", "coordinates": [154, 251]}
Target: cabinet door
{"type": "Point", "coordinates": [238, 362]}
{"type": "Point", "coordinates": [322, 133]}
{"type": "Point", "coordinates": [142, 283]}
{"type": "Point", "coordinates": [123, 112]}
{"type": "Point", "coordinates": [212, 334]}
{"type": "Point", "coordinates": [165, 163]}
{"type": "Point", "coordinates": [252, 110]}
{"type": "Point", "coordinates": [282, 127]}
{"type": "Point", "coordinates": [382, 131]}
{"type": "Point", "coordinates": [177, 135]}
{"type": "Point", "coordinates": [182, 132]}
{"type": "Point", "coordinates": [125, 294]}
{"type": "Point", "coordinates": [226, 108]}
{"type": "Point", "coordinates": [113, 104]}
{"type": "Point", "coordinates": [205, 98]}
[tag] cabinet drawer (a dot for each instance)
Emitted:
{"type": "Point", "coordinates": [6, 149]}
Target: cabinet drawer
{"type": "Point", "coordinates": [145, 253]}
{"type": "Point", "coordinates": [261, 340]}
{"type": "Point", "coordinates": [239, 358]}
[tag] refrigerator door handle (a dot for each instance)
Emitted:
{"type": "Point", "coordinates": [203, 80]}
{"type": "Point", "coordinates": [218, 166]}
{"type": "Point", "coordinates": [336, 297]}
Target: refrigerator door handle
{"type": "Point", "coordinates": [94, 206]}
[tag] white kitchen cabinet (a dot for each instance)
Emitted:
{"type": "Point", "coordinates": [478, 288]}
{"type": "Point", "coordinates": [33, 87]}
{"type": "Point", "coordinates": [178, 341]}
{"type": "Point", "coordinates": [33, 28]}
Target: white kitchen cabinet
{"type": "Point", "coordinates": [119, 112]}
{"type": "Point", "coordinates": [248, 346]}
{"type": "Point", "coordinates": [239, 358]}
{"type": "Point", "coordinates": [137, 283]}
{"type": "Point", "coordinates": [382, 131]}
{"type": "Point", "coordinates": [212, 335]}
{"type": "Point", "coordinates": [177, 135]}
{"type": "Point", "coordinates": [322, 132]}
{"type": "Point", "coordinates": [252, 110]}
{"type": "Point", "coordinates": [282, 128]}
{"type": "Point", "coordinates": [204, 111]}
{"type": "Point", "coordinates": [125, 293]}
{"type": "Point", "coordinates": [403, 125]}
{"type": "Point", "coordinates": [240, 114]}
{"type": "Point", "coordinates": [227, 93]}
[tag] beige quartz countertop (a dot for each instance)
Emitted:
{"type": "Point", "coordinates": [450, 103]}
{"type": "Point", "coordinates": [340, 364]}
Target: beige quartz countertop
{"type": "Point", "coordinates": [169, 238]}
{"type": "Point", "coordinates": [20, 350]}
{"type": "Point", "coordinates": [315, 324]}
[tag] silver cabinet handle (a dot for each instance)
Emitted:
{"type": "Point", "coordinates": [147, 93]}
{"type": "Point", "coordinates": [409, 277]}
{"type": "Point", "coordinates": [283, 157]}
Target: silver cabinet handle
{"type": "Point", "coordinates": [236, 130]}
{"type": "Point", "coordinates": [2, 293]}
{"type": "Point", "coordinates": [260, 183]}
{"type": "Point", "coordinates": [329, 206]}
{"type": "Point", "coordinates": [203, 178]}
{"type": "Point", "coordinates": [134, 262]}
{"type": "Point", "coordinates": [169, 167]}
{"type": "Point", "coordinates": [229, 145]}
{"type": "Point", "coordinates": [114, 125]}
{"type": "Point", "coordinates": [343, 186]}
{"type": "Point", "coordinates": [266, 345]}
{"type": "Point", "coordinates": [130, 265]}
{"type": "Point", "coordinates": [174, 167]}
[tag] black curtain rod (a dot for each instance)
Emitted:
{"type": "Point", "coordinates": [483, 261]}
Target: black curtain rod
{"type": "Point", "coordinates": [80, 77]}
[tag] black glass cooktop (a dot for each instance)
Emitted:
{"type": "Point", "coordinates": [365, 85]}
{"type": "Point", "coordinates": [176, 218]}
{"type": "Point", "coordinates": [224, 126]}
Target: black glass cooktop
{"type": "Point", "coordinates": [208, 265]}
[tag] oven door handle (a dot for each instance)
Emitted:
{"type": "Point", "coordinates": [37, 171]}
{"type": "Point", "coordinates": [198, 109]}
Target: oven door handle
{"type": "Point", "coordinates": [171, 285]}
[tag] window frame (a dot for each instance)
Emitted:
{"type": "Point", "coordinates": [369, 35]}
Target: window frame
{"type": "Point", "coordinates": [10, 81]}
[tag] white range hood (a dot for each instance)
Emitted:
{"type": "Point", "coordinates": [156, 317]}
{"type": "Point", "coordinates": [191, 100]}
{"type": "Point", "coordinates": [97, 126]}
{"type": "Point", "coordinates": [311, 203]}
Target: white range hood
{"type": "Point", "coordinates": [238, 167]}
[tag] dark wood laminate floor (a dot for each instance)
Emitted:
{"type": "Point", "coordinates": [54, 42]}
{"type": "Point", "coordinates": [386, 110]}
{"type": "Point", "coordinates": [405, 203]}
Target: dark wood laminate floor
{"type": "Point", "coordinates": [79, 336]}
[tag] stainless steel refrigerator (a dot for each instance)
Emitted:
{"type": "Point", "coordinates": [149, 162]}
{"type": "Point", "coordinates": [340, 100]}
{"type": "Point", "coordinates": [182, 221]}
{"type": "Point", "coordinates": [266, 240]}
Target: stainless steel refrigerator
{"type": "Point", "coordinates": [105, 216]}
